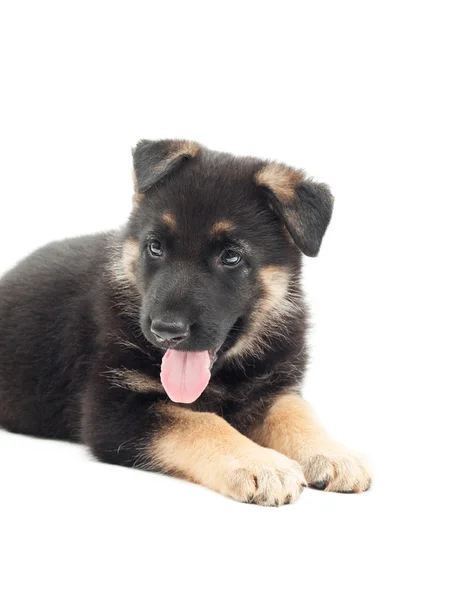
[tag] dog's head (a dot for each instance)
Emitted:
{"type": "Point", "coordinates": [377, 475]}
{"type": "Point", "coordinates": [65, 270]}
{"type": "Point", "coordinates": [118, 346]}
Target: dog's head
{"type": "Point", "coordinates": [214, 247]}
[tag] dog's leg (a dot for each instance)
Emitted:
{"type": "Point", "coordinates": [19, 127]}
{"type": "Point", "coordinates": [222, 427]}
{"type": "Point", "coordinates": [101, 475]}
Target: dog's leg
{"type": "Point", "coordinates": [204, 448]}
{"type": "Point", "coordinates": [131, 430]}
{"type": "Point", "coordinates": [291, 427]}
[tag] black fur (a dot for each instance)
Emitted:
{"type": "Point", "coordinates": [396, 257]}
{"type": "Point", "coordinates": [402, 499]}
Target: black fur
{"type": "Point", "coordinates": [71, 313]}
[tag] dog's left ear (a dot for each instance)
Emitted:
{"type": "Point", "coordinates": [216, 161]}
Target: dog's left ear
{"type": "Point", "coordinates": [304, 205]}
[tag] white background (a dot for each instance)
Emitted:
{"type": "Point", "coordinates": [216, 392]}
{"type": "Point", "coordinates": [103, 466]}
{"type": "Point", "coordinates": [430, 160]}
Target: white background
{"type": "Point", "coordinates": [367, 96]}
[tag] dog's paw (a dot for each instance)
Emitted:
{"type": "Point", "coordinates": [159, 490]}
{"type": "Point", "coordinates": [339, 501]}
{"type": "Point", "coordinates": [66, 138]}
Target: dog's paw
{"type": "Point", "coordinates": [266, 477]}
{"type": "Point", "coordinates": [337, 471]}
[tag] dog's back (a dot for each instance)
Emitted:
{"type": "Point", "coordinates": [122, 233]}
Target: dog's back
{"type": "Point", "coordinates": [47, 332]}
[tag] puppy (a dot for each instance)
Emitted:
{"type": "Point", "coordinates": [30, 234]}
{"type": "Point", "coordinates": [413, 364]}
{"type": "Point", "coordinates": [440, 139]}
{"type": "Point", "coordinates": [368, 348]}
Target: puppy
{"type": "Point", "coordinates": [177, 344]}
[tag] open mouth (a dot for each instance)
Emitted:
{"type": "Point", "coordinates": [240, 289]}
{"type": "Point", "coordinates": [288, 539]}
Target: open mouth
{"type": "Point", "coordinates": [185, 375]}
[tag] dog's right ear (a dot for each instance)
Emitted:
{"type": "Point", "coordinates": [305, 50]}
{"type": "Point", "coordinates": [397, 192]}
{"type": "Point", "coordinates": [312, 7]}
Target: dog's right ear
{"type": "Point", "coordinates": [152, 161]}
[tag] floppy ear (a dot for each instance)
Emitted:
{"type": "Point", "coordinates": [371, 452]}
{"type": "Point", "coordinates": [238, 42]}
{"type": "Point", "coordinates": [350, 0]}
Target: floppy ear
{"type": "Point", "coordinates": [304, 205]}
{"type": "Point", "coordinates": [152, 161]}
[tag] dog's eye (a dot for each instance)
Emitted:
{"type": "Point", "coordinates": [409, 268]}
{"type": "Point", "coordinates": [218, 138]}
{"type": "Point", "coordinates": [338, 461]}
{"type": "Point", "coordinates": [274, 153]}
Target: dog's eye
{"type": "Point", "coordinates": [230, 258]}
{"type": "Point", "coordinates": [154, 248]}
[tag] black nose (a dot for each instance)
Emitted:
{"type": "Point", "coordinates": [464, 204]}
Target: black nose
{"type": "Point", "coordinates": [170, 331]}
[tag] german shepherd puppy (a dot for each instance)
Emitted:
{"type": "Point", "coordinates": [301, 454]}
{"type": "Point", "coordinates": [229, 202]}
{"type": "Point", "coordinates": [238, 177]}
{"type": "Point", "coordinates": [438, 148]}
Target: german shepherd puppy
{"type": "Point", "coordinates": [177, 344]}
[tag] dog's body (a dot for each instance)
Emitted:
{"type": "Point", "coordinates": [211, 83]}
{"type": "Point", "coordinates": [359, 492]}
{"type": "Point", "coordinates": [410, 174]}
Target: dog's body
{"type": "Point", "coordinates": [197, 299]}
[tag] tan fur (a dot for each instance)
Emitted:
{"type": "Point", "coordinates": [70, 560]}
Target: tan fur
{"type": "Point", "coordinates": [292, 428]}
{"type": "Point", "coordinates": [222, 227]}
{"type": "Point", "coordinates": [134, 380]}
{"type": "Point", "coordinates": [205, 449]}
{"type": "Point", "coordinates": [124, 265]}
{"type": "Point", "coordinates": [276, 304]}
{"type": "Point", "coordinates": [176, 150]}
{"type": "Point", "coordinates": [170, 220]}
{"type": "Point", "coordinates": [130, 254]}
{"type": "Point", "coordinates": [184, 148]}
{"type": "Point", "coordinates": [280, 179]}
{"type": "Point", "coordinates": [137, 196]}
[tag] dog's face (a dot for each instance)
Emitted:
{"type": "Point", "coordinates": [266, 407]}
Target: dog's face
{"type": "Point", "coordinates": [215, 244]}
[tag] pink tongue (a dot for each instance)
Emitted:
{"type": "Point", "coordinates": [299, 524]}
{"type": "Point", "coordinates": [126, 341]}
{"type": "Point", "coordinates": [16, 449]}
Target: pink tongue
{"type": "Point", "coordinates": [185, 375]}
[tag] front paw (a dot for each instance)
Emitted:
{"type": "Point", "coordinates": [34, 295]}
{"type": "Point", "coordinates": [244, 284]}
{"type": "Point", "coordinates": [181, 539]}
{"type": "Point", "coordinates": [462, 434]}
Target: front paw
{"type": "Point", "coordinates": [265, 477]}
{"type": "Point", "coordinates": [337, 471]}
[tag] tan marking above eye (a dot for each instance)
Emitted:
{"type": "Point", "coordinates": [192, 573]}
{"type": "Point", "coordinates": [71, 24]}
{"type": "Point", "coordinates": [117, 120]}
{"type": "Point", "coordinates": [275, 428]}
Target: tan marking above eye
{"type": "Point", "coordinates": [169, 219]}
{"type": "Point", "coordinates": [280, 179]}
{"type": "Point", "coordinates": [222, 227]}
